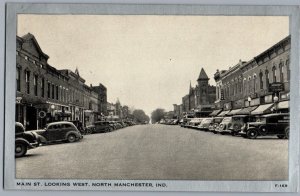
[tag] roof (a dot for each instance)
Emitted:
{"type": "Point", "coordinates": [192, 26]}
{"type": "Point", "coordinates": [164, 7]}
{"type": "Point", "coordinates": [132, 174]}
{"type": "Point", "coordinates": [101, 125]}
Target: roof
{"type": "Point", "coordinates": [276, 114]}
{"type": "Point", "coordinates": [60, 122]}
{"type": "Point", "coordinates": [202, 75]}
{"type": "Point", "coordinates": [29, 36]}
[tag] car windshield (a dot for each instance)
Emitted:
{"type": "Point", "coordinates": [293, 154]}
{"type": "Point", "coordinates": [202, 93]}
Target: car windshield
{"type": "Point", "coordinates": [207, 120]}
{"type": "Point", "coordinates": [218, 120]}
{"type": "Point", "coordinates": [261, 119]}
{"type": "Point", "coordinates": [228, 119]}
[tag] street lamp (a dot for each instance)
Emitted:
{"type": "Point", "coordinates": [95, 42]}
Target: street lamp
{"type": "Point", "coordinates": [52, 107]}
{"type": "Point", "coordinates": [275, 99]}
{"type": "Point", "coordinates": [249, 101]}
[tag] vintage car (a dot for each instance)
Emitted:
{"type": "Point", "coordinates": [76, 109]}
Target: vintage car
{"type": "Point", "coordinates": [59, 131]}
{"type": "Point", "coordinates": [24, 140]}
{"type": "Point", "coordinates": [204, 125]}
{"type": "Point", "coordinates": [233, 124]}
{"type": "Point", "coordinates": [194, 123]}
{"type": "Point", "coordinates": [185, 122]}
{"type": "Point", "coordinates": [79, 126]}
{"type": "Point", "coordinates": [269, 124]}
{"type": "Point", "coordinates": [103, 127]}
{"type": "Point", "coordinates": [215, 123]}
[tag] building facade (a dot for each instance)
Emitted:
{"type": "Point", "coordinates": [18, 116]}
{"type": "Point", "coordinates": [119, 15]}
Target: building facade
{"type": "Point", "coordinates": [200, 98]}
{"type": "Point", "coordinates": [45, 94]}
{"type": "Point", "coordinates": [250, 83]}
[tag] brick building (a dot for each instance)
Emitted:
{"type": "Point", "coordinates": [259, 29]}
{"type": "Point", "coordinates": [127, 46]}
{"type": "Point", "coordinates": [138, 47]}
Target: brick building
{"type": "Point", "coordinates": [45, 94]}
{"type": "Point", "coordinates": [247, 85]}
{"type": "Point", "coordinates": [201, 98]}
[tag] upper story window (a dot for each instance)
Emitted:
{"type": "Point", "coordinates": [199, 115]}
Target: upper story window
{"type": "Point", "coordinates": [254, 83]}
{"type": "Point", "coordinates": [53, 91]}
{"type": "Point", "coordinates": [56, 88]}
{"type": "Point", "coordinates": [43, 87]}
{"type": "Point", "coordinates": [27, 80]}
{"type": "Point", "coordinates": [274, 73]}
{"type": "Point", "coordinates": [48, 89]}
{"type": "Point", "coordinates": [267, 78]}
{"type": "Point", "coordinates": [287, 63]}
{"type": "Point", "coordinates": [281, 77]}
{"type": "Point", "coordinates": [261, 82]}
{"type": "Point", "coordinates": [18, 77]}
{"type": "Point", "coordinates": [35, 84]}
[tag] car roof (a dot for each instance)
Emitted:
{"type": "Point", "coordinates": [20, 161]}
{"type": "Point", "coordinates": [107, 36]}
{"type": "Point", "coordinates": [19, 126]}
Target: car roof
{"type": "Point", "coordinates": [60, 122]}
{"type": "Point", "coordinates": [276, 114]}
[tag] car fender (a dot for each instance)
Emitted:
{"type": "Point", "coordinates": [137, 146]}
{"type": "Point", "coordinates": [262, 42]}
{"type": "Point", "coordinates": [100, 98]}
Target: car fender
{"type": "Point", "coordinates": [41, 139]}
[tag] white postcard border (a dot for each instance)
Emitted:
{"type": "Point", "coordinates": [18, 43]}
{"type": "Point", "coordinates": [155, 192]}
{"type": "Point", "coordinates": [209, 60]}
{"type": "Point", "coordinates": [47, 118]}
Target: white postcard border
{"type": "Point", "coordinates": [125, 9]}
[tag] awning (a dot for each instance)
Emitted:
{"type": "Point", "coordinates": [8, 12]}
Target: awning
{"type": "Point", "coordinates": [224, 113]}
{"type": "Point", "coordinates": [262, 109]}
{"type": "Point", "coordinates": [215, 112]}
{"type": "Point", "coordinates": [246, 111]}
{"type": "Point", "coordinates": [283, 105]}
{"type": "Point", "coordinates": [233, 112]}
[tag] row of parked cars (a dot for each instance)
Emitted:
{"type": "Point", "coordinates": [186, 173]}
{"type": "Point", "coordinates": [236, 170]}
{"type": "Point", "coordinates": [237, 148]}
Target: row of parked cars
{"type": "Point", "coordinates": [60, 131]}
{"type": "Point", "coordinates": [248, 126]}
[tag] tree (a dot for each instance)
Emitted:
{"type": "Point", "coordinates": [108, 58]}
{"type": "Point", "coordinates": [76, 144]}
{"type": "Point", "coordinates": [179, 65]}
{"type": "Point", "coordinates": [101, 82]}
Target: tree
{"type": "Point", "coordinates": [140, 116]}
{"type": "Point", "coordinates": [157, 115]}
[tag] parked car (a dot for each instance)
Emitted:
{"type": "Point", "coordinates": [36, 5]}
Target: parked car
{"type": "Point", "coordinates": [194, 122]}
{"type": "Point", "coordinates": [60, 131]}
{"type": "Point", "coordinates": [224, 125]}
{"type": "Point", "coordinates": [79, 126]}
{"type": "Point", "coordinates": [237, 123]}
{"type": "Point", "coordinates": [185, 122]}
{"type": "Point", "coordinates": [215, 123]}
{"type": "Point", "coordinates": [204, 125]}
{"type": "Point", "coordinates": [103, 126]}
{"type": "Point", "coordinates": [24, 140]}
{"type": "Point", "coordinates": [270, 124]}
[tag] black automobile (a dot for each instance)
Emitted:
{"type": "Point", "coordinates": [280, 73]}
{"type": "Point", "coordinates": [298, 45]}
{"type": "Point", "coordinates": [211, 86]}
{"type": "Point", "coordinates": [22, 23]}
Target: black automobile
{"type": "Point", "coordinates": [103, 127]}
{"type": "Point", "coordinates": [24, 140]}
{"type": "Point", "coordinates": [270, 124]}
{"type": "Point", "coordinates": [79, 126]}
{"type": "Point", "coordinates": [59, 131]}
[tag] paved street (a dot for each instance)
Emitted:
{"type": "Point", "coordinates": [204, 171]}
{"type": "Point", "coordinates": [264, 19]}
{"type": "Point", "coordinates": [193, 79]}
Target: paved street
{"type": "Point", "coordinates": [159, 152]}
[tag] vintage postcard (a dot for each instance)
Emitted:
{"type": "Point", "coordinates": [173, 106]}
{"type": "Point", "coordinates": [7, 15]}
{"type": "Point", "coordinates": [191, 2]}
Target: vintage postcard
{"type": "Point", "coordinates": [152, 97]}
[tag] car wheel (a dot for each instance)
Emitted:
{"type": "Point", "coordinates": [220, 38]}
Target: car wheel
{"type": "Point", "coordinates": [281, 136]}
{"type": "Point", "coordinates": [287, 133]}
{"type": "Point", "coordinates": [71, 138]}
{"type": "Point", "coordinates": [252, 133]}
{"type": "Point", "coordinates": [263, 130]}
{"type": "Point", "coordinates": [20, 149]}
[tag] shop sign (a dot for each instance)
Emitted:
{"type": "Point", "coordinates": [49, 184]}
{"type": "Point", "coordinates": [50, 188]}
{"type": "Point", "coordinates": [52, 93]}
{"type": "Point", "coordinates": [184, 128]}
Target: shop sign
{"type": "Point", "coordinates": [255, 102]}
{"type": "Point", "coordinates": [268, 99]}
{"type": "Point", "coordinates": [276, 87]}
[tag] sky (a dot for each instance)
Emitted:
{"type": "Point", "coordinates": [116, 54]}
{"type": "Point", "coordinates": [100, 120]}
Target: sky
{"type": "Point", "coordinates": [149, 61]}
